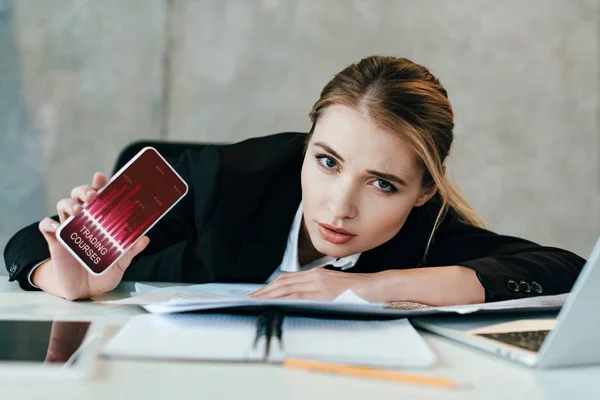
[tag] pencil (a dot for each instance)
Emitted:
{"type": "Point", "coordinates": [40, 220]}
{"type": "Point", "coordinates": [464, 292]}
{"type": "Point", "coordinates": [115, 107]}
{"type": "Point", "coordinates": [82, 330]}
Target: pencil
{"type": "Point", "coordinates": [368, 372]}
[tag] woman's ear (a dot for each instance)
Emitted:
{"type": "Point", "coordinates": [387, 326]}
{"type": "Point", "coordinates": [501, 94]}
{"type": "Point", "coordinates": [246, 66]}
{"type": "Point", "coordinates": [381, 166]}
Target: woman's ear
{"type": "Point", "coordinates": [428, 191]}
{"type": "Point", "coordinates": [426, 194]}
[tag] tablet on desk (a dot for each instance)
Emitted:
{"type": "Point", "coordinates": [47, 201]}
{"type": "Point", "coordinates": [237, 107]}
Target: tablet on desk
{"type": "Point", "coordinates": [34, 349]}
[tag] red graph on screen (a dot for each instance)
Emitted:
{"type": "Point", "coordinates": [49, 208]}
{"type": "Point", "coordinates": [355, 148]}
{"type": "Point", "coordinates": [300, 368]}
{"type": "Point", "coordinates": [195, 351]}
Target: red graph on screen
{"type": "Point", "coordinates": [121, 213]}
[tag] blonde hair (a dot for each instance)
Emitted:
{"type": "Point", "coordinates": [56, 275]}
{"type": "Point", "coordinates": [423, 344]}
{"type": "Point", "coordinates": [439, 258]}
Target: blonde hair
{"type": "Point", "coordinates": [404, 98]}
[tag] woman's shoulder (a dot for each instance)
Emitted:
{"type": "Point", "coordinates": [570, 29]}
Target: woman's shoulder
{"type": "Point", "coordinates": [254, 159]}
{"type": "Point", "coordinates": [265, 152]}
{"type": "Point", "coordinates": [219, 174]}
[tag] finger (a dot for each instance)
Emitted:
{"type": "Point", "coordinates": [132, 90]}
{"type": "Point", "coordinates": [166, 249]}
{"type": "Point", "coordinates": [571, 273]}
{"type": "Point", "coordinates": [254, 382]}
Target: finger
{"type": "Point", "coordinates": [66, 208]}
{"type": "Point", "coordinates": [299, 276]}
{"type": "Point", "coordinates": [308, 295]}
{"type": "Point", "coordinates": [83, 193]}
{"type": "Point", "coordinates": [283, 279]}
{"type": "Point", "coordinates": [287, 290]}
{"type": "Point", "coordinates": [48, 227]}
{"type": "Point", "coordinates": [271, 286]}
{"type": "Point", "coordinates": [303, 295]}
{"type": "Point", "coordinates": [136, 249]}
{"type": "Point", "coordinates": [99, 180]}
{"type": "Point", "coordinates": [284, 275]}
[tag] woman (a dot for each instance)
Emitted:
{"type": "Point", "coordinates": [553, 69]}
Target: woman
{"type": "Point", "coordinates": [364, 194]}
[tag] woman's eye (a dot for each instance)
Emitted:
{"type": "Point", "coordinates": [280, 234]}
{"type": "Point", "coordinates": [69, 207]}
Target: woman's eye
{"type": "Point", "coordinates": [327, 162]}
{"type": "Point", "coordinates": [385, 186]}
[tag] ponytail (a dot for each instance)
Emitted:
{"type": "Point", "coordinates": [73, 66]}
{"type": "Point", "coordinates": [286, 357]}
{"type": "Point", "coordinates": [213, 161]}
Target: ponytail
{"type": "Point", "coordinates": [452, 200]}
{"type": "Point", "coordinates": [463, 210]}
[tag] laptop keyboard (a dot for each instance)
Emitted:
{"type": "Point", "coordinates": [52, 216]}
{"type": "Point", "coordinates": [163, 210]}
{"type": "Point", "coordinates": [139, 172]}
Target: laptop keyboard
{"type": "Point", "coordinates": [530, 340]}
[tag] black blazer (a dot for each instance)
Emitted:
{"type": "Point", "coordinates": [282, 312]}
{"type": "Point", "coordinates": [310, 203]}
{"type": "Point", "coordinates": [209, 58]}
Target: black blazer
{"type": "Point", "coordinates": [234, 223]}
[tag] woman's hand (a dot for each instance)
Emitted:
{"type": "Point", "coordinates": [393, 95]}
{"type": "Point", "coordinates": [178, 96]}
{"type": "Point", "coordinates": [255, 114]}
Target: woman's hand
{"type": "Point", "coordinates": [62, 275]}
{"type": "Point", "coordinates": [436, 286]}
{"type": "Point", "coordinates": [319, 284]}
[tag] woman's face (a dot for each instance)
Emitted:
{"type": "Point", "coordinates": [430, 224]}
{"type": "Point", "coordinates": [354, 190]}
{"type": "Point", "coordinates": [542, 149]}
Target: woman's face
{"type": "Point", "coordinates": [359, 183]}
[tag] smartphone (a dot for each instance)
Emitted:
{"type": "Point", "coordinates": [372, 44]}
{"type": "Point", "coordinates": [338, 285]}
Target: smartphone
{"type": "Point", "coordinates": [134, 199]}
{"type": "Point", "coordinates": [48, 349]}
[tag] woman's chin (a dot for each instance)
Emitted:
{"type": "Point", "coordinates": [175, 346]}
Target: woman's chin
{"type": "Point", "coordinates": [333, 250]}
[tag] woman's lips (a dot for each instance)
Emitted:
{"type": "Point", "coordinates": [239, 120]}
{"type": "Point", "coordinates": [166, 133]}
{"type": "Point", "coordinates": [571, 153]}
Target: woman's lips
{"type": "Point", "coordinates": [333, 236]}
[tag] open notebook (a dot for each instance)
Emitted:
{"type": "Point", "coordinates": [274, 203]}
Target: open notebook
{"type": "Point", "coordinates": [223, 337]}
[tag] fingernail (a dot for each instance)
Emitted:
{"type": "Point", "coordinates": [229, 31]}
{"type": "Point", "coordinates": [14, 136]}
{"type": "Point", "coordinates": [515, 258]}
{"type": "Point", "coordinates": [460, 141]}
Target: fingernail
{"type": "Point", "coordinates": [89, 193]}
{"type": "Point", "coordinates": [76, 207]}
{"type": "Point", "coordinates": [53, 225]}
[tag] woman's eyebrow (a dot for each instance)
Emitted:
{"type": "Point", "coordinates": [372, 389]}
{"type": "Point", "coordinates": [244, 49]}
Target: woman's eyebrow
{"type": "Point", "coordinates": [388, 177]}
{"type": "Point", "coordinates": [330, 150]}
{"type": "Point", "coordinates": [383, 175]}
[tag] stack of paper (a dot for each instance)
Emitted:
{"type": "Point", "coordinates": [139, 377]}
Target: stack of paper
{"type": "Point", "coordinates": [223, 295]}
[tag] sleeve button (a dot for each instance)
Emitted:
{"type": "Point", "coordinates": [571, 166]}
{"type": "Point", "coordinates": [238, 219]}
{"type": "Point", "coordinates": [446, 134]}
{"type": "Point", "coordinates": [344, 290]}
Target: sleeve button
{"type": "Point", "coordinates": [524, 286]}
{"type": "Point", "coordinates": [13, 268]}
{"type": "Point", "coordinates": [512, 285]}
{"type": "Point", "coordinates": [537, 287]}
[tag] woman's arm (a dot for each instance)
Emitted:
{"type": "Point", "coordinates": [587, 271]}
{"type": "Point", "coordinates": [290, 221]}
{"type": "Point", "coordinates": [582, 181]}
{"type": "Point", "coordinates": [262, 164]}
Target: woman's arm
{"type": "Point", "coordinates": [169, 252]}
{"type": "Point", "coordinates": [507, 267]}
{"type": "Point", "coordinates": [436, 286]}
{"type": "Point", "coordinates": [465, 265]}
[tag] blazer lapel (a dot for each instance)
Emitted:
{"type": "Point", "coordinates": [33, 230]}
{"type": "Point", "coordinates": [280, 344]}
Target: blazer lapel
{"type": "Point", "coordinates": [259, 195]}
{"type": "Point", "coordinates": [265, 239]}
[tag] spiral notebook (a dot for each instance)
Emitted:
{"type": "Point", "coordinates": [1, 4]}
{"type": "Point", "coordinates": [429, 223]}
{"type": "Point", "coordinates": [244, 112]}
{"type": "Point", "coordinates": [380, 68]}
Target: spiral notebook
{"type": "Point", "coordinates": [232, 338]}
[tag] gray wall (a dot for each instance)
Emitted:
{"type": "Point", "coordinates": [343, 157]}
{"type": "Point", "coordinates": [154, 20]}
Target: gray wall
{"type": "Point", "coordinates": [82, 79]}
{"type": "Point", "coordinates": [22, 195]}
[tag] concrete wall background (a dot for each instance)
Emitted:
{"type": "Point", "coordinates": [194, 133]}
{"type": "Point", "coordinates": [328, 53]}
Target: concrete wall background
{"type": "Point", "coordinates": [80, 79]}
{"type": "Point", "coordinates": [22, 195]}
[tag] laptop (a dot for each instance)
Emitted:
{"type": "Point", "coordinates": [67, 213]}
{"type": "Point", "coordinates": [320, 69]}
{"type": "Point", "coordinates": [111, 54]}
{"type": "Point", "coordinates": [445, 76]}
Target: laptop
{"type": "Point", "coordinates": [542, 340]}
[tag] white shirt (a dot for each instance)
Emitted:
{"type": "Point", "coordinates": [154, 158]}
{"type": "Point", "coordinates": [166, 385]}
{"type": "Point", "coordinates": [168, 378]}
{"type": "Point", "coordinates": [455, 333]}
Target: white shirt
{"type": "Point", "coordinates": [33, 269]}
{"type": "Point", "coordinates": [289, 263]}
{"type": "Point", "coordinates": [290, 257]}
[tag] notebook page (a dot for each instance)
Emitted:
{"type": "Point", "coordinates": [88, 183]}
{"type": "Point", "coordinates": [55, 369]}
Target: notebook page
{"type": "Point", "coordinates": [187, 337]}
{"type": "Point", "coordinates": [389, 344]}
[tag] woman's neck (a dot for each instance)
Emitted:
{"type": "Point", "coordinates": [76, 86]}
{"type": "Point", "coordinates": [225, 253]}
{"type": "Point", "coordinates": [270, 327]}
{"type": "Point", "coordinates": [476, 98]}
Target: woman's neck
{"type": "Point", "coordinates": [307, 253]}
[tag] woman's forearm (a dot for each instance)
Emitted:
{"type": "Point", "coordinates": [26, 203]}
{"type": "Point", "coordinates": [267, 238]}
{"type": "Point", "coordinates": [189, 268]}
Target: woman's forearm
{"type": "Point", "coordinates": [436, 286]}
{"type": "Point", "coordinates": [44, 278]}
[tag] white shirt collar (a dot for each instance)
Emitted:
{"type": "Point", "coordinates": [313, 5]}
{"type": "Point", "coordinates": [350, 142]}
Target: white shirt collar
{"type": "Point", "coordinates": [290, 257]}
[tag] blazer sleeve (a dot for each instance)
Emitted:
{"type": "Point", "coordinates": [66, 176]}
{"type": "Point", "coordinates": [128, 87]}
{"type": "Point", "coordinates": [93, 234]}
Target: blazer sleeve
{"type": "Point", "coordinates": [172, 239]}
{"type": "Point", "coordinates": [507, 267]}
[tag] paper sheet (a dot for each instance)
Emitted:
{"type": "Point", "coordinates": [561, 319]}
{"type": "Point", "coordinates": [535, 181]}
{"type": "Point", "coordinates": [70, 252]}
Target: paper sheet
{"type": "Point", "coordinates": [147, 294]}
{"type": "Point", "coordinates": [535, 302]}
{"type": "Point", "coordinates": [208, 296]}
{"type": "Point", "coordinates": [186, 337]}
{"type": "Point", "coordinates": [348, 296]}
{"type": "Point", "coordinates": [388, 344]}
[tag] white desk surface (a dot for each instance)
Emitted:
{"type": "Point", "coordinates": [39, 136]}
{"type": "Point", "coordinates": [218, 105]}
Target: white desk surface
{"type": "Point", "coordinates": [490, 377]}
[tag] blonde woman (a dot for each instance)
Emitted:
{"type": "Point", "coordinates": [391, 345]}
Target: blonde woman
{"type": "Point", "coordinates": [361, 201]}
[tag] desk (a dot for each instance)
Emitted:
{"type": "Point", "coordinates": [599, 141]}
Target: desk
{"type": "Point", "coordinates": [490, 377]}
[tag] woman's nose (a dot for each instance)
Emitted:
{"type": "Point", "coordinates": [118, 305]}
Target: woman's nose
{"type": "Point", "coordinates": [341, 202]}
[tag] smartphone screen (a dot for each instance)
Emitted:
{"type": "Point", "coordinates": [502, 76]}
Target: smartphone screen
{"type": "Point", "coordinates": [135, 198]}
{"type": "Point", "coordinates": [40, 341]}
